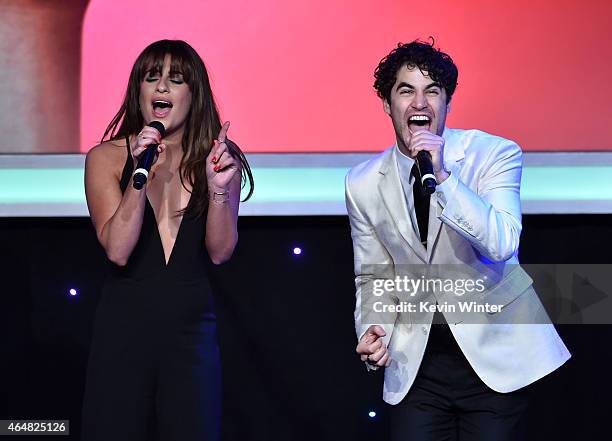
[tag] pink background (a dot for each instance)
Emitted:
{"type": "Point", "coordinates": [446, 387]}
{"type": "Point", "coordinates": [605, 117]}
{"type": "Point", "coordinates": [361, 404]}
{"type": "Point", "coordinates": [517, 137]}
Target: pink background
{"type": "Point", "coordinates": [297, 76]}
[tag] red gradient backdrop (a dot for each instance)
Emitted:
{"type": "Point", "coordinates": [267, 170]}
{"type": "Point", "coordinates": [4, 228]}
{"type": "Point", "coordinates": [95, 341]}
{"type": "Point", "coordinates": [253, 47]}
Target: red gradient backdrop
{"type": "Point", "coordinates": [297, 76]}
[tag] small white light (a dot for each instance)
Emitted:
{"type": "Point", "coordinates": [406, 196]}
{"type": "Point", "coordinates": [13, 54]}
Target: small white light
{"type": "Point", "coordinates": [73, 292]}
{"type": "Point", "coordinates": [297, 251]}
{"type": "Point", "coordinates": [372, 414]}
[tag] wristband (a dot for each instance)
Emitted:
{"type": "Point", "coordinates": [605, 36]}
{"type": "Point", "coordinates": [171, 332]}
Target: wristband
{"type": "Point", "coordinates": [219, 197]}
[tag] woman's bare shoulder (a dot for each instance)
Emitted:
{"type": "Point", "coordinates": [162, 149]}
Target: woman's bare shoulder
{"type": "Point", "coordinates": [109, 154]}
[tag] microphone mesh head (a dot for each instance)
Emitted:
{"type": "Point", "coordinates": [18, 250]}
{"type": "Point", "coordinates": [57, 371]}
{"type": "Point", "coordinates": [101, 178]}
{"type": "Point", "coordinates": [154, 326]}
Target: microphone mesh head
{"type": "Point", "coordinates": [159, 127]}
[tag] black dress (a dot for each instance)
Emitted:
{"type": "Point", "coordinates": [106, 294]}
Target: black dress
{"type": "Point", "coordinates": [154, 369]}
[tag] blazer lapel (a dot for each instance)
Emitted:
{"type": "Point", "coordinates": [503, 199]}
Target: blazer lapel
{"type": "Point", "coordinates": [391, 192]}
{"type": "Point", "coordinates": [454, 153]}
{"type": "Point", "coordinates": [435, 225]}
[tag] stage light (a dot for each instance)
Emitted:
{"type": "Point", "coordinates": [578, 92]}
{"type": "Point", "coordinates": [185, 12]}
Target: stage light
{"type": "Point", "coordinates": [372, 414]}
{"type": "Point", "coordinates": [73, 292]}
{"type": "Point", "coordinates": [297, 251]}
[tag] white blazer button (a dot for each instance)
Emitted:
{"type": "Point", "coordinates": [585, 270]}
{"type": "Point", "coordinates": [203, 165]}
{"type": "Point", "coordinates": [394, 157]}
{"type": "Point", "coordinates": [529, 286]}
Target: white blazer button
{"type": "Point", "coordinates": [424, 329]}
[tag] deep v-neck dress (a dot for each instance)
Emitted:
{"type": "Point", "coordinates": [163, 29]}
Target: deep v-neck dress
{"type": "Point", "coordinates": [154, 361]}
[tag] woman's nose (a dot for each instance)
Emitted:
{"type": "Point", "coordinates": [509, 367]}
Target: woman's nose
{"type": "Point", "coordinates": [161, 86]}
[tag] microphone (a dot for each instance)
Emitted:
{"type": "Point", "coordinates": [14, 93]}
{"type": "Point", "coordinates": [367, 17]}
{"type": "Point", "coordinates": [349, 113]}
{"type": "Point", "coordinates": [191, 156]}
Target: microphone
{"type": "Point", "coordinates": [146, 159]}
{"type": "Point", "coordinates": [425, 167]}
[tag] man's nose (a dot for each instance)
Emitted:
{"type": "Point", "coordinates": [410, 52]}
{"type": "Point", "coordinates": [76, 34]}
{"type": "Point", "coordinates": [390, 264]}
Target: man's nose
{"type": "Point", "coordinates": [419, 102]}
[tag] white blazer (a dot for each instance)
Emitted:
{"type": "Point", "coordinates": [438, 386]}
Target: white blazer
{"type": "Point", "coordinates": [474, 221]}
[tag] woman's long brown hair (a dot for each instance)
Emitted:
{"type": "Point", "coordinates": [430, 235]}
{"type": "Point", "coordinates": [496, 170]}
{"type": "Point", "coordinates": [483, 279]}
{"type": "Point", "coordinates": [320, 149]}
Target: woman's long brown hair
{"type": "Point", "coordinates": [202, 125]}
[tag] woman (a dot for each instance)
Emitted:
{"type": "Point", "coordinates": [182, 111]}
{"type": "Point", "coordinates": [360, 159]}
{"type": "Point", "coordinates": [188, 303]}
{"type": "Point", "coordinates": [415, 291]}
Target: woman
{"type": "Point", "coordinates": [154, 363]}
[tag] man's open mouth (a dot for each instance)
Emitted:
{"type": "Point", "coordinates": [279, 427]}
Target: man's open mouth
{"type": "Point", "coordinates": [416, 122]}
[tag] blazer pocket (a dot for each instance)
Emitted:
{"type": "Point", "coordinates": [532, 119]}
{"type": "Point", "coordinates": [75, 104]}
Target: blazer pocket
{"type": "Point", "coordinates": [508, 289]}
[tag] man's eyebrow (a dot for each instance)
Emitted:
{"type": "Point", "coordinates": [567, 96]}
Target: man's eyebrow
{"type": "Point", "coordinates": [410, 86]}
{"type": "Point", "coordinates": [404, 84]}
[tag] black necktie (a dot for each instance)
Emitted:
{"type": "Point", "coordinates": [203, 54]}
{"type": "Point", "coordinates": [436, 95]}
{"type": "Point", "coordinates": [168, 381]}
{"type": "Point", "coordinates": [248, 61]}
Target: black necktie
{"type": "Point", "coordinates": [421, 204]}
{"type": "Point", "coordinates": [421, 207]}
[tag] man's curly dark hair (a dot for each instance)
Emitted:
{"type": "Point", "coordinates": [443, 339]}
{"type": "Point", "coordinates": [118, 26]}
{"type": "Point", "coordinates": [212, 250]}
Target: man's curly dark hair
{"type": "Point", "coordinates": [438, 65]}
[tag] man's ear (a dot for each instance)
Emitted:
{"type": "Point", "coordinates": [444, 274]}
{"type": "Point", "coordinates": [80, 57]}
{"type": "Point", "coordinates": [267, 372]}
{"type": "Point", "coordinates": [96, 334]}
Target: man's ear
{"type": "Point", "coordinates": [448, 106]}
{"type": "Point", "coordinates": [386, 106]}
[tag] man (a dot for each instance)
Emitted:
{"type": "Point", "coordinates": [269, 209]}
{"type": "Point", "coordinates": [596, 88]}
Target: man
{"type": "Point", "coordinates": [466, 376]}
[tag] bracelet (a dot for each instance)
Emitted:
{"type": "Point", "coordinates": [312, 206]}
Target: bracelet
{"type": "Point", "coordinates": [219, 198]}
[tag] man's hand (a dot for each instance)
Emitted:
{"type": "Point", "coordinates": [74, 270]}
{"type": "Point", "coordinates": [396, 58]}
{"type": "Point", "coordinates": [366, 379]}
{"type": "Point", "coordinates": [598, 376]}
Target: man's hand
{"type": "Point", "coordinates": [372, 348]}
{"type": "Point", "coordinates": [434, 144]}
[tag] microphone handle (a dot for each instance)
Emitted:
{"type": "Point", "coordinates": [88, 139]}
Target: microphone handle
{"type": "Point", "coordinates": [144, 166]}
{"type": "Point", "coordinates": [428, 179]}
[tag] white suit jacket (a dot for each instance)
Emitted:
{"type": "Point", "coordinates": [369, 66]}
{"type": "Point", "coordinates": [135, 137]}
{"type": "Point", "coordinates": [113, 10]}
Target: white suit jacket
{"type": "Point", "coordinates": [475, 221]}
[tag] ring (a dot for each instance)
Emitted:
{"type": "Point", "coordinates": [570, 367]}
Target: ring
{"type": "Point", "coordinates": [221, 142]}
